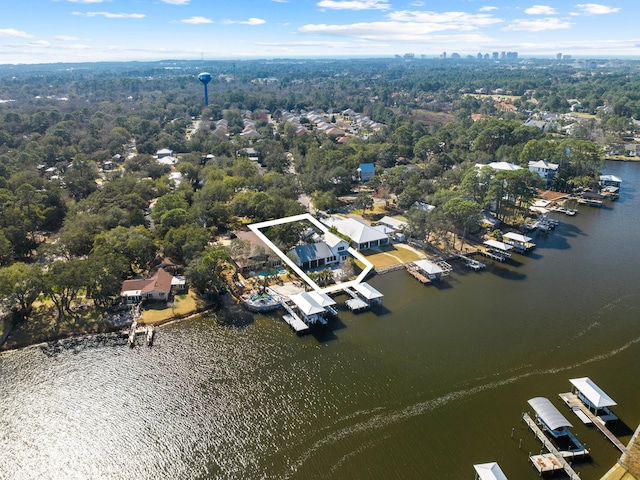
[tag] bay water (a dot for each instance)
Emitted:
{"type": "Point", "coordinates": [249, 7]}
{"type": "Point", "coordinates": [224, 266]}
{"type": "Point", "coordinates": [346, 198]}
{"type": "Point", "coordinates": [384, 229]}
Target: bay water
{"type": "Point", "coordinates": [424, 388]}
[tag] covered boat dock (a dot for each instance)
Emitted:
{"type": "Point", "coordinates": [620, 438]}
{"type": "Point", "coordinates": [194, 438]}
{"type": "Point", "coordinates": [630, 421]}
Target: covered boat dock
{"type": "Point", "coordinates": [594, 398]}
{"type": "Point", "coordinates": [521, 242]}
{"type": "Point", "coordinates": [556, 425]}
{"type": "Point", "coordinates": [369, 293]}
{"type": "Point", "coordinates": [489, 471]}
{"type": "Point", "coordinates": [310, 310]}
{"type": "Point", "coordinates": [497, 250]}
{"type": "Point", "coordinates": [587, 396]}
{"type": "Point", "coordinates": [426, 271]}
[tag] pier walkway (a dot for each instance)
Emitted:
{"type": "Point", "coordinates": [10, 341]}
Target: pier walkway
{"type": "Point", "coordinates": [293, 320]}
{"type": "Point", "coordinates": [557, 455]}
{"type": "Point", "coordinates": [573, 402]}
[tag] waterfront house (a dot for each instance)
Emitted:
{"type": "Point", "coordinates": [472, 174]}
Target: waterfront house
{"type": "Point", "coordinates": [157, 287]}
{"type": "Point", "coordinates": [313, 255]}
{"type": "Point", "coordinates": [546, 170]}
{"type": "Point", "coordinates": [362, 236]}
{"type": "Point", "coordinates": [338, 245]}
{"type": "Point", "coordinates": [499, 166]}
{"type": "Point", "coordinates": [257, 257]}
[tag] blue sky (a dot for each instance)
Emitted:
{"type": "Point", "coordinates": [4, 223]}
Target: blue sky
{"type": "Point", "coordinates": [43, 31]}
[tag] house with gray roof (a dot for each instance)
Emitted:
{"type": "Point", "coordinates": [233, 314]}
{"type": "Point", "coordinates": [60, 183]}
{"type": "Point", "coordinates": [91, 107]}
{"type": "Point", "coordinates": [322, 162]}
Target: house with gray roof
{"type": "Point", "coordinates": [313, 255]}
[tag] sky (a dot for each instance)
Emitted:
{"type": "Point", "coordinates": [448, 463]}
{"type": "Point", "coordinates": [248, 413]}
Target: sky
{"type": "Point", "coordinates": [46, 31]}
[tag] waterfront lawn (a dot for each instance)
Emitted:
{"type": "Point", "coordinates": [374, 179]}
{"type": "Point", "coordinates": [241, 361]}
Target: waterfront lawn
{"type": "Point", "coordinates": [182, 305]}
{"type": "Point", "coordinates": [390, 255]}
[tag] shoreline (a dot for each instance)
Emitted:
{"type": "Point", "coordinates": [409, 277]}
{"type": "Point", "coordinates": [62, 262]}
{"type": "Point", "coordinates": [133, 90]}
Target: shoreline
{"type": "Point", "coordinates": [107, 329]}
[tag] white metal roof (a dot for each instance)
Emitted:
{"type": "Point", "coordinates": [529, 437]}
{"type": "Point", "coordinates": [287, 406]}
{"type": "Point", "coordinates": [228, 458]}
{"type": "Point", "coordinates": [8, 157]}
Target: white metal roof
{"type": "Point", "coordinates": [393, 222]}
{"type": "Point", "coordinates": [544, 164]}
{"type": "Point", "coordinates": [548, 413]}
{"type": "Point", "coordinates": [499, 245]}
{"type": "Point", "coordinates": [592, 392]}
{"type": "Point", "coordinates": [430, 268]}
{"type": "Point", "coordinates": [367, 291]}
{"type": "Point", "coordinates": [500, 166]}
{"type": "Point", "coordinates": [322, 299]}
{"type": "Point", "coordinates": [357, 231]}
{"type": "Point", "coordinates": [610, 178]}
{"type": "Point", "coordinates": [306, 304]}
{"type": "Point", "coordinates": [516, 237]}
{"type": "Point", "coordinates": [489, 471]}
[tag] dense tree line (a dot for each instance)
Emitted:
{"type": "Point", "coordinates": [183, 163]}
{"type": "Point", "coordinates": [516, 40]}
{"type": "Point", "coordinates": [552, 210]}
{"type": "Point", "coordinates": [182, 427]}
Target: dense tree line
{"type": "Point", "coordinates": [69, 227]}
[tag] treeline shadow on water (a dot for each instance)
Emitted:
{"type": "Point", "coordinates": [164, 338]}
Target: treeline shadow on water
{"type": "Point", "coordinates": [505, 273]}
{"type": "Point", "coordinates": [559, 238]}
{"type": "Point", "coordinates": [235, 315]}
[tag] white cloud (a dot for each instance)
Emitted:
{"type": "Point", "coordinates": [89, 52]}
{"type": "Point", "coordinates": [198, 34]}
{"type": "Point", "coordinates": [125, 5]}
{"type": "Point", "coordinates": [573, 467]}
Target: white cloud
{"type": "Point", "coordinates": [446, 20]}
{"type": "Point", "coordinates": [196, 20]}
{"type": "Point", "coordinates": [66, 38]}
{"type": "Point", "coordinates": [596, 8]}
{"type": "Point", "coordinates": [12, 32]}
{"type": "Point", "coordinates": [88, 1]}
{"type": "Point", "coordinates": [110, 15]}
{"type": "Point", "coordinates": [488, 8]}
{"type": "Point", "coordinates": [540, 10]}
{"type": "Point", "coordinates": [354, 4]}
{"type": "Point", "coordinates": [394, 32]}
{"type": "Point", "coordinates": [538, 25]}
{"type": "Point", "coordinates": [176, 2]}
{"type": "Point", "coordinates": [251, 21]}
{"type": "Point", "coordinates": [280, 1]}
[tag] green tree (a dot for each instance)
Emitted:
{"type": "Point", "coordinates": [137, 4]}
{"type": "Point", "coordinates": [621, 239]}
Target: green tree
{"type": "Point", "coordinates": [20, 286]}
{"type": "Point", "coordinates": [205, 273]}
{"type": "Point", "coordinates": [63, 280]}
{"type": "Point", "coordinates": [465, 215]}
{"type": "Point", "coordinates": [136, 244]}
{"type": "Point", "coordinates": [364, 201]}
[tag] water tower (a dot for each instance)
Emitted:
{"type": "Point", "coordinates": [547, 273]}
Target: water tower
{"type": "Point", "coordinates": [205, 78]}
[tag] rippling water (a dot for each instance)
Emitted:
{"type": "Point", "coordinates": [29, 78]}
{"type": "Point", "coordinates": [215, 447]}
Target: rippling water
{"type": "Point", "coordinates": [430, 385]}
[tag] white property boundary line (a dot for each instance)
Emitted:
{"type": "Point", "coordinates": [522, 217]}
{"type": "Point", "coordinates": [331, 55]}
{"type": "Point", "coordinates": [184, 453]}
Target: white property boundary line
{"type": "Point", "coordinates": [255, 228]}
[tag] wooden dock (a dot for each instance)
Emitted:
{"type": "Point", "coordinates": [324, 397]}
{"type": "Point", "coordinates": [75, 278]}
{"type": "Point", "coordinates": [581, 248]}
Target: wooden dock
{"type": "Point", "coordinates": [573, 402]}
{"type": "Point", "coordinates": [557, 455]}
{"type": "Point", "coordinates": [293, 320]}
{"type": "Point", "coordinates": [355, 303]}
{"type": "Point", "coordinates": [415, 273]}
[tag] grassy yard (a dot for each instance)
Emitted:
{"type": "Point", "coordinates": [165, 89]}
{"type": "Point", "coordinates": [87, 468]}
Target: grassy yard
{"type": "Point", "coordinates": [160, 312]}
{"type": "Point", "coordinates": [391, 255]}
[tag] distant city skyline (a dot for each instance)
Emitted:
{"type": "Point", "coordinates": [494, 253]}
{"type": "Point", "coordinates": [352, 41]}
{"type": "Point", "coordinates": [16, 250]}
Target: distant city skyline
{"type": "Point", "coordinates": [45, 31]}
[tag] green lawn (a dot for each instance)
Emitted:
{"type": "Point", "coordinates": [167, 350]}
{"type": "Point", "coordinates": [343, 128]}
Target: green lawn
{"type": "Point", "coordinates": [160, 312]}
{"type": "Point", "coordinates": [391, 255]}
